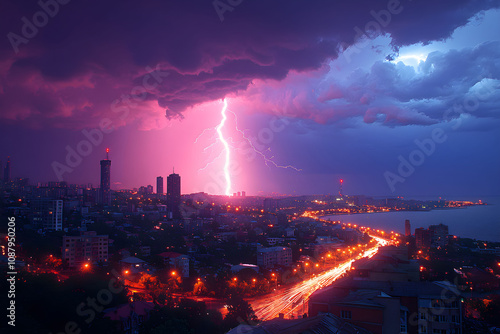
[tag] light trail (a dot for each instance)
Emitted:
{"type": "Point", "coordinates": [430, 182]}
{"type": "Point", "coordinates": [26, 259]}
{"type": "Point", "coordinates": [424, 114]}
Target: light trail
{"type": "Point", "coordinates": [226, 148]}
{"type": "Point", "coordinates": [289, 300]}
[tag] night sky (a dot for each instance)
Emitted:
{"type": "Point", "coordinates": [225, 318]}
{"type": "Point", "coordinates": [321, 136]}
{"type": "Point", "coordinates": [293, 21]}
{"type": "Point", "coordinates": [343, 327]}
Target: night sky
{"type": "Point", "coordinates": [322, 89]}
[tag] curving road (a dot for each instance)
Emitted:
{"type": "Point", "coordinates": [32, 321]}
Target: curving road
{"type": "Point", "coordinates": [293, 300]}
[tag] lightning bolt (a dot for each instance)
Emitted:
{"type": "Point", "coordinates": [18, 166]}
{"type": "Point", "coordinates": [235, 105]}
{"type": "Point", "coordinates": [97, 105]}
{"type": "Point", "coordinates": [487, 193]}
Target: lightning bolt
{"type": "Point", "coordinates": [264, 157]}
{"type": "Point", "coordinates": [226, 148]}
{"type": "Point", "coordinates": [227, 144]}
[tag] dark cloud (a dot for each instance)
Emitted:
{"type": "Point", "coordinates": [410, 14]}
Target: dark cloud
{"type": "Point", "coordinates": [91, 53]}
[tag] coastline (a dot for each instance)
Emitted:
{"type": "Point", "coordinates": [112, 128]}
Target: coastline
{"type": "Point", "coordinates": [480, 222]}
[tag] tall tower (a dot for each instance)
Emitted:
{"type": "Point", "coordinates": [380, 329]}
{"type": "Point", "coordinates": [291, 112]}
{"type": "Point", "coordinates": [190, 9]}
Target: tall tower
{"type": "Point", "coordinates": [159, 185]}
{"type": "Point", "coordinates": [174, 194]}
{"type": "Point", "coordinates": [407, 228]}
{"type": "Point", "coordinates": [340, 187]}
{"type": "Point", "coordinates": [105, 191]}
{"type": "Point", "coordinates": [6, 171]}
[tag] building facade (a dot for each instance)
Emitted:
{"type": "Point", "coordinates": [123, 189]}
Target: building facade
{"type": "Point", "coordinates": [105, 189]}
{"type": "Point", "coordinates": [159, 185]}
{"type": "Point", "coordinates": [86, 248]}
{"type": "Point", "coordinates": [47, 213]}
{"type": "Point", "coordinates": [271, 256]}
{"type": "Point", "coordinates": [176, 260]}
{"type": "Point", "coordinates": [174, 195]}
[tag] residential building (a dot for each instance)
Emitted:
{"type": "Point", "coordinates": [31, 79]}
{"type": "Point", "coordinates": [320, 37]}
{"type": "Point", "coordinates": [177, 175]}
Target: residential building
{"type": "Point", "coordinates": [47, 213]}
{"type": "Point", "coordinates": [422, 238]}
{"type": "Point", "coordinates": [271, 256]}
{"type": "Point", "coordinates": [176, 260]}
{"type": "Point", "coordinates": [86, 248]}
{"type": "Point", "coordinates": [439, 235]}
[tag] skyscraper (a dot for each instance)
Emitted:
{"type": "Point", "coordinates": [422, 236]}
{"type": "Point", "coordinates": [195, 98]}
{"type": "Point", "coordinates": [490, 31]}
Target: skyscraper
{"type": "Point", "coordinates": [174, 194]}
{"type": "Point", "coordinates": [159, 185]}
{"type": "Point", "coordinates": [105, 192]}
{"type": "Point", "coordinates": [6, 171]}
{"type": "Point", "coordinates": [407, 228]}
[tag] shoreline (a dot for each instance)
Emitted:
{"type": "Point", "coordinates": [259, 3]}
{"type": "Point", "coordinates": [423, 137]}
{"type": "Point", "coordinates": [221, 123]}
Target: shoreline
{"type": "Point", "coordinates": [460, 229]}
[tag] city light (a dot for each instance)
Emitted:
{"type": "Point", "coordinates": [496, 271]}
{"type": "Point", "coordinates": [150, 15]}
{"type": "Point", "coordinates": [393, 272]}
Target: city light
{"type": "Point", "coordinates": [290, 300]}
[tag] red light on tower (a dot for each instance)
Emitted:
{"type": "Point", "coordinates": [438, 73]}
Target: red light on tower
{"type": "Point", "coordinates": [340, 187]}
{"type": "Point", "coordinates": [107, 153]}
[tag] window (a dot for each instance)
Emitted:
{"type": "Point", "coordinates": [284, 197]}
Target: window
{"type": "Point", "coordinates": [455, 319]}
{"type": "Point", "coordinates": [345, 314]}
{"type": "Point", "coordinates": [439, 331]}
{"type": "Point", "coordinates": [422, 329]}
{"type": "Point", "coordinates": [440, 318]}
{"type": "Point", "coordinates": [403, 327]}
{"type": "Point", "coordinates": [423, 316]}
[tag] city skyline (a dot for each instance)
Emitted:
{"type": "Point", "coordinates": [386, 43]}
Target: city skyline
{"type": "Point", "coordinates": [354, 95]}
{"type": "Point", "coordinates": [230, 166]}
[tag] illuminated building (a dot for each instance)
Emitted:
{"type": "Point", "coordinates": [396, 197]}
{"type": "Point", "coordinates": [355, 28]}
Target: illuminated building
{"type": "Point", "coordinates": [439, 235]}
{"type": "Point", "coordinates": [47, 213]}
{"type": "Point", "coordinates": [271, 256]}
{"type": "Point", "coordinates": [422, 238]}
{"type": "Point", "coordinates": [178, 261]}
{"type": "Point", "coordinates": [88, 247]}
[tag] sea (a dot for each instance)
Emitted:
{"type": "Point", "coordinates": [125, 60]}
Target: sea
{"type": "Point", "coordinates": [481, 222]}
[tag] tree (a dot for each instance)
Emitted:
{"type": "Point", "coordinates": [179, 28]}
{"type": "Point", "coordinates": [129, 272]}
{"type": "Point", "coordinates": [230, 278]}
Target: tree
{"type": "Point", "coordinates": [239, 311]}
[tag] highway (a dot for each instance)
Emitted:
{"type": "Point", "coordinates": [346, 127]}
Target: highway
{"type": "Point", "coordinates": [292, 301]}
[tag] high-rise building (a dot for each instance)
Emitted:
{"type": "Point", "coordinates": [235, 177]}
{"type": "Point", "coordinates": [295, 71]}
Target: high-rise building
{"type": "Point", "coordinates": [439, 235]}
{"type": "Point", "coordinates": [159, 185]}
{"type": "Point", "coordinates": [174, 195]}
{"type": "Point", "coordinates": [105, 191]}
{"type": "Point", "coordinates": [6, 171]}
{"type": "Point", "coordinates": [47, 213]}
{"type": "Point", "coordinates": [407, 227]}
{"type": "Point", "coordinates": [86, 248]}
{"type": "Point", "coordinates": [422, 238]}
